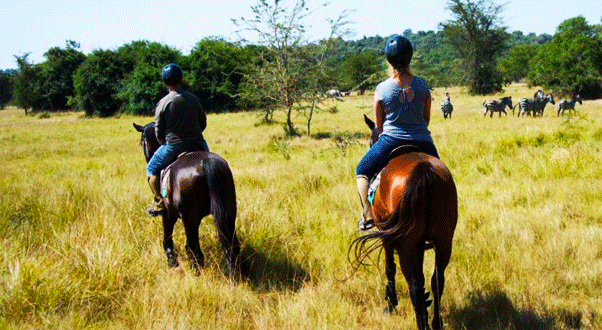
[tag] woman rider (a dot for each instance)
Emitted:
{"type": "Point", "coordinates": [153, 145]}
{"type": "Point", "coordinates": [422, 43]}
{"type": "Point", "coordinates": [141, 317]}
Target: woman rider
{"type": "Point", "coordinates": [402, 112]}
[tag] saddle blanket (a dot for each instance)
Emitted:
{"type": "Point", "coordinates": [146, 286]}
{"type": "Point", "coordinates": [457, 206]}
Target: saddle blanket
{"type": "Point", "coordinates": [165, 180]}
{"type": "Point", "coordinates": [373, 186]}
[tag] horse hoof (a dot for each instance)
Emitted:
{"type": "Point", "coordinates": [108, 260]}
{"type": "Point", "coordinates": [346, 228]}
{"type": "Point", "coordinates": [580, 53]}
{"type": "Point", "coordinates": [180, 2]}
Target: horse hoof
{"type": "Point", "coordinates": [389, 309]}
{"type": "Point", "coordinates": [172, 262]}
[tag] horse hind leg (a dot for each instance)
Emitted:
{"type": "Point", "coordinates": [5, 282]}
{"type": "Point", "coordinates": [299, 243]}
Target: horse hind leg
{"type": "Point", "coordinates": [411, 261]}
{"type": "Point", "coordinates": [193, 248]}
{"type": "Point", "coordinates": [442, 257]}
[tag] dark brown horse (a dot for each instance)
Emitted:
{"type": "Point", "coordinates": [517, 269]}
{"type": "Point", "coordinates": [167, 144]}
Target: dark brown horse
{"type": "Point", "coordinates": [198, 184]}
{"type": "Point", "coordinates": [415, 208]}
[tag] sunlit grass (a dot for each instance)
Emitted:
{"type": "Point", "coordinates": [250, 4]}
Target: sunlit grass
{"type": "Point", "coordinates": [78, 251]}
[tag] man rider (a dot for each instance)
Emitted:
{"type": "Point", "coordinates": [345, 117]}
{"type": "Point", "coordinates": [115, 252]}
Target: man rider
{"type": "Point", "coordinates": [179, 124]}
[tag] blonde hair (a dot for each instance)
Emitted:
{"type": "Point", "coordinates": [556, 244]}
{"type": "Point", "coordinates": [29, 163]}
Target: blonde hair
{"type": "Point", "coordinates": [397, 71]}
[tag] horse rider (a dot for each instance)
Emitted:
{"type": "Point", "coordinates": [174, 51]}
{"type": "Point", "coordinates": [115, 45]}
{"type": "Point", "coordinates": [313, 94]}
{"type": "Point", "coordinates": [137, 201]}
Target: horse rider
{"type": "Point", "coordinates": [179, 125]}
{"type": "Point", "coordinates": [402, 112]}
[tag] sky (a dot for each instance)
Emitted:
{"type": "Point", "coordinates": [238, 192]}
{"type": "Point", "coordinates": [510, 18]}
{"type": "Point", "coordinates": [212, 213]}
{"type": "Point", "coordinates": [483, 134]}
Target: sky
{"type": "Point", "coordinates": [35, 26]}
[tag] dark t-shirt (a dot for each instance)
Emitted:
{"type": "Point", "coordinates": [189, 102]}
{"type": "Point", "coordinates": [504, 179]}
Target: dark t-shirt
{"type": "Point", "coordinates": [179, 117]}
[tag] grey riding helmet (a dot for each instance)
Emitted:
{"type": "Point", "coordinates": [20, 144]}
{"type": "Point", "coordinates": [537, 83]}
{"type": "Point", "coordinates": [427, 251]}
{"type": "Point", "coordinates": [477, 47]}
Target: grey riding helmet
{"type": "Point", "coordinates": [398, 50]}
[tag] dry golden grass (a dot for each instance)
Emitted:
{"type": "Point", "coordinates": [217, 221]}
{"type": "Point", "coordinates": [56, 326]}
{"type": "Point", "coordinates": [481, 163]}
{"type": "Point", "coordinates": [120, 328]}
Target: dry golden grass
{"type": "Point", "coordinates": [80, 253]}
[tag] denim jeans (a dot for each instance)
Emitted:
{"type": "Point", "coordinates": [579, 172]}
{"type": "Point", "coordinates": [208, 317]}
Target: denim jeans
{"type": "Point", "coordinates": [166, 154]}
{"type": "Point", "coordinates": [378, 156]}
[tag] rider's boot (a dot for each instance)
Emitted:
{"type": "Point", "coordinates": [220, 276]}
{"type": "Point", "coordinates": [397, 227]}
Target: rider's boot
{"type": "Point", "coordinates": [366, 221]}
{"type": "Point", "coordinates": [158, 206]}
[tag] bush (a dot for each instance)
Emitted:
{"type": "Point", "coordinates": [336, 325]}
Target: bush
{"type": "Point", "coordinates": [572, 62]}
{"type": "Point", "coordinates": [6, 90]}
{"type": "Point", "coordinates": [142, 87]}
{"type": "Point", "coordinates": [97, 82]}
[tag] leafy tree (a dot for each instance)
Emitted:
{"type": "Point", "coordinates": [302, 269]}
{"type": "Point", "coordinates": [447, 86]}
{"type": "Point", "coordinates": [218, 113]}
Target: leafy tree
{"type": "Point", "coordinates": [285, 65]}
{"type": "Point", "coordinates": [477, 36]}
{"type": "Point", "coordinates": [57, 76]}
{"type": "Point", "coordinates": [357, 68]}
{"type": "Point", "coordinates": [572, 62]}
{"type": "Point", "coordinates": [253, 95]}
{"type": "Point", "coordinates": [141, 87]}
{"type": "Point", "coordinates": [6, 88]}
{"type": "Point", "coordinates": [98, 80]}
{"type": "Point", "coordinates": [434, 58]}
{"type": "Point", "coordinates": [141, 90]}
{"type": "Point", "coordinates": [216, 70]}
{"type": "Point", "coordinates": [516, 66]}
{"type": "Point", "coordinates": [26, 82]}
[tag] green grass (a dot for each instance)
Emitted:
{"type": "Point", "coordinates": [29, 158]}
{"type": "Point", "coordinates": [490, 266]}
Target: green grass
{"type": "Point", "coordinates": [78, 251]}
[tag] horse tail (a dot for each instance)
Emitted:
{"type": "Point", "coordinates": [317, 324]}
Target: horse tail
{"type": "Point", "coordinates": [222, 196]}
{"type": "Point", "coordinates": [410, 215]}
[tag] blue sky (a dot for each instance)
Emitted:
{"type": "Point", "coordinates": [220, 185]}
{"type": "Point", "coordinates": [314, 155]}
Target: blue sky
{"type": "Point", "coordinates": [34, 26]}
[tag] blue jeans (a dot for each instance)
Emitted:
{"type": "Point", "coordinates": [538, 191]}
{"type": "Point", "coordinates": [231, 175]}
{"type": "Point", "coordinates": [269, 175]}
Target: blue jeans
{"type": "Point", "coordinates": [378, 156]}
{"type": "Point", "coordinates": [166, 154]}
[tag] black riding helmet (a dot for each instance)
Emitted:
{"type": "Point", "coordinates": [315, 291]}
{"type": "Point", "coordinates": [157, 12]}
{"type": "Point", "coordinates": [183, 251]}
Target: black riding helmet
{"type": "Point", "coordinates": [172, 74]}
{"type": "Point", "coordinates": [399, 51]}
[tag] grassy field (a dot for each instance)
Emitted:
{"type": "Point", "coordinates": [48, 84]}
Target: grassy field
{"type": "Point", "coordinates": [79, 253]}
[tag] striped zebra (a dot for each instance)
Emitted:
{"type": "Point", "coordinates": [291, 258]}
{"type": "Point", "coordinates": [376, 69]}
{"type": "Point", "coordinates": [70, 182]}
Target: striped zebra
{"type": "Point", "coordinates": [568, 104]}
{"type": "Point", "coordinates": [539, 95]}
{"type": "Point", "coordinates": [492, 106]}
{"type": "Point", "coordinates": [524, 105]}
{"type": "Point", "coordinates": [539, 104]}
{"type": "Point", "coordinates": [446, 106]}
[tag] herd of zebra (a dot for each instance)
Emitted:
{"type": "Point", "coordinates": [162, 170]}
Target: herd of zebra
{"type": "Point", "coordinates": [531, 107]}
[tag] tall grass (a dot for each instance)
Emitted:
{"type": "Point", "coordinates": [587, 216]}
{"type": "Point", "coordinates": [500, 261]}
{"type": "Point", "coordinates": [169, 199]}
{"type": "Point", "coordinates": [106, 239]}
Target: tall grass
{"type": "Point", "coordinates": [78, 251]}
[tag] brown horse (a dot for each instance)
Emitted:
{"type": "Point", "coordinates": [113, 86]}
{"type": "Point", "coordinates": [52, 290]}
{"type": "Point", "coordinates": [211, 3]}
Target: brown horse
{"type": "Point", "coordinates": [415, 208]}
{"type": "Point", "coordinates": [199, 183]}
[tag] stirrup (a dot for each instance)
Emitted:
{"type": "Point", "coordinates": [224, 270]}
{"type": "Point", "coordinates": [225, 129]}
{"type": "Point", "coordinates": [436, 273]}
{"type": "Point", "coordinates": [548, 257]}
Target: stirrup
{"type": "Point", "coordinates": [363, 225]}
{"type": "Point", "coordinates": [156, 210]}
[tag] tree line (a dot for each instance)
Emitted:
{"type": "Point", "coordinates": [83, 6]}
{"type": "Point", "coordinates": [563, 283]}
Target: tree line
{"type": "Point", "coordinates": [472, 50]}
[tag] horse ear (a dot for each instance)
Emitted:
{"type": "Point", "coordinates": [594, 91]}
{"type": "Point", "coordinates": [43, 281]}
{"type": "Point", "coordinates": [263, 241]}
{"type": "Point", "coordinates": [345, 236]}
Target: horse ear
{"type": "Point", "coordinates": [138, 127]}
{"type": "Point", "coordinates": [369, 122]}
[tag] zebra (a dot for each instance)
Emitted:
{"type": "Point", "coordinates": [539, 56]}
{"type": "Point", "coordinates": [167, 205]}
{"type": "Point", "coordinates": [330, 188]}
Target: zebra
{"type": "Point", "coordinates": [568, 104]}
{"type": "Point", "coordinates": [525, 106]}
{"type": "Point", "coordinates": [446, 106]}
{"type": "Point", "coordinates": [539, 95]}
{"type": "Point", "coordinates": [497, 106]}
{"type": "Point", "coordinates": [539, 104]}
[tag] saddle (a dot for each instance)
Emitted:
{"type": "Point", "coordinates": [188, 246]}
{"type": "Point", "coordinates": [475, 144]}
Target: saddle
{"type": "Point", "coordinates": [188, 149]}
{"type": "Point", "coordinates": [375, 181]}
{"type": "Point", "coordinates": [165, 177]}
{"type": "Point", "coordinates": [404, 149]}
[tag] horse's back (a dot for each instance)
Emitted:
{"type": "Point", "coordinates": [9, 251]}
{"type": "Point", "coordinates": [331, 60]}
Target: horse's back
{"type": "Point", "coordinates": [189, 177]}
{"type": "Point", "coordinates": [403, 174]}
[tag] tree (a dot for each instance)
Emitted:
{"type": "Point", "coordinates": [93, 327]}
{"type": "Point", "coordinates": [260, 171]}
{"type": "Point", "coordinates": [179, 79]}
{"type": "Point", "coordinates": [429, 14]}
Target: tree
{"type": "Point", "coordinates": [287, 75]}
{"type": "Point", "coordinates": [516, 66]}
{"type": "Point", "coordinates": [57, 71]}
{"type": "Point", "coordinates": [6, 88]}
{"type": "Point", "coordinates": [572, 62]}
{"type": "Point", "coordinates": [141, 87]}
{"type": "Point", "coordinates": [98, 80]}
{"type": "Point", "coordinates": [26, 82]}
{"type": "Point", "coordinates": [356, 68]}
{"type": "Point", "coordinates": [434, 58]}
{"type": "Point", "coordinates": [477, 35]}
{"type": "Point", "coordinates": [216, 70]}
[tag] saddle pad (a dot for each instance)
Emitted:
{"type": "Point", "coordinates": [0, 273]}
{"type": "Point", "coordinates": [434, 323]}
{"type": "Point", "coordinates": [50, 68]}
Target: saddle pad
{"type": "Point", "coordinates": [403, 149]}
{"type": "Point", "coordinates": [165, 180]}
{"type": "Point", "coordinates": [372, 189]}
